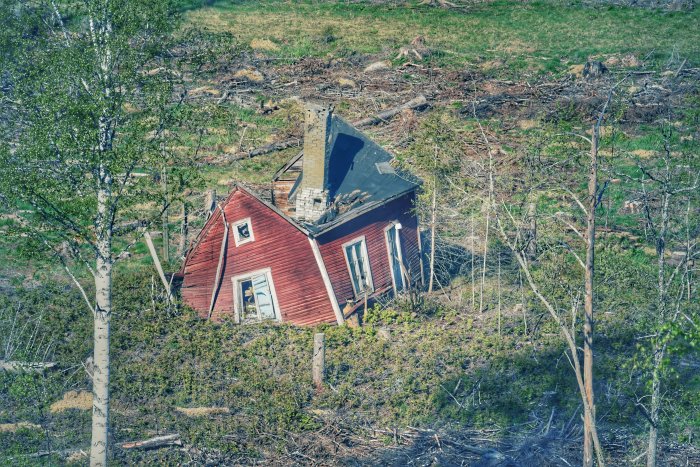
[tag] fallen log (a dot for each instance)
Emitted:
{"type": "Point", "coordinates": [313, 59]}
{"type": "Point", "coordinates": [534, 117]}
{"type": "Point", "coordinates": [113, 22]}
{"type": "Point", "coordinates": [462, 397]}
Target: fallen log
{"type": "Point", "coordinates": [29, 367]}
{"type": "Point", "coordinates": [274, 147]}
{"type": "Point", "coordinates": [61, 453]}
{"type": "Point", "coordinates": [153, 443]}
{"type": "Point", "coordinates": [416, 103]}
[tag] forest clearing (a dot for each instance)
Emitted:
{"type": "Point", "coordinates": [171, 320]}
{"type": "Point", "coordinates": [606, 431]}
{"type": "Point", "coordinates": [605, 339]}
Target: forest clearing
{"type": "Point", "coordinates": [350, 232]}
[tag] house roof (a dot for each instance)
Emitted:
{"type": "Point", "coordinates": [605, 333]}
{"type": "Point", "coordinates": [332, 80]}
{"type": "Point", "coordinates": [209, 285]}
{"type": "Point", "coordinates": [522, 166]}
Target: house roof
{"type": "Point", "coordinates": [360, 174]}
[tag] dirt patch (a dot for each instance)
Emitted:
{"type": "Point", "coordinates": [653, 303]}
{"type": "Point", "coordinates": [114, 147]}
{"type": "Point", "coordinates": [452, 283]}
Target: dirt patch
{"type": "Point", "coordinates": [517, 47]}
{"type": "Point", "coordinates": [202, 411]}
{"type": "Point", "coordinates": [264, 44]}
{"type": "Point", "coordinates": [14, 427]}
{"type": "Point", "coordinates": [644, 153]}
{"type": "Point", "coordinates": [625, 61]}
{"type": "Point", "coordinates": [80, 400]}
{"type": "Point", "coordinates": [250, 74]}
{"type": "Point", "coordinates": [346, 83]}
{"type": "Point", "coordinates": [492, 65]}
{"type": "Point", "coordinates": [205, 90]}
{"type": "Point", "coordinates": [76, 457]}
{"type": "Point", "coordinates": [378, 66]}
{"type": "Point", "coordinates": [576, 70]}
{"type": "Point", "coordinates": [527, 124]}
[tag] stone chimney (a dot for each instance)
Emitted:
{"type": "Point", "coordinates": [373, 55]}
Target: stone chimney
{"type": "Point", "coordinates": [312, 194]}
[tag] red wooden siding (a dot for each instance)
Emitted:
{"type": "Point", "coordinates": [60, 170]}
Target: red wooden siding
{"type": "Point", "coordinates": [277, 245]}
{"type": "Point", "coordinates": [372, 225]}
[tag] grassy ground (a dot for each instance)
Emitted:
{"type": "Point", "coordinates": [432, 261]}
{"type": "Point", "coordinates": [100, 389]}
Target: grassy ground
{"type": "Point", "coordinates": [430, 367]}
{"type": "Point", "coordinates": [529, 37]}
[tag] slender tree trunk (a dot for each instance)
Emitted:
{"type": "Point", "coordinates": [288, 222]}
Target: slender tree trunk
{"type": "Point", "coordinates": [659, 347]}
{"type": "Point", "coordinates": [521, 257]}
{"type": "Point", "coordinates": [522, 301]}
{"type": "Point", "coordinates": [433, 220]}
{"type": "Point", "coordinates": [532, 218]}
{"type": "Point", "coordinates": [472, 267]}
{"type": "Point", "coordinates": [184, 230]}
{"type": "Point", "coordinates": [489, 205]}
{"type": "Point", "coordinates": [499, 293]}
{"type": "Point", "coordinates": [166, 228]}
{"type": "Point", "coordinates": [210, 203]}
{"type": "Point", "coordinates": [485, 253]}
{"type": "Point", "coordinates": [102, 316]}
{"type": "Point", "coordinates": [654, 407]}
{"type": "Point", "coordinates": [589, 418]}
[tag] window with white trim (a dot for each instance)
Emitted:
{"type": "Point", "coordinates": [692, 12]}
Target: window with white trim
{"type": "Point", "coordinates": [393, 245]}
{"type": "Point", "coordinates": [358, 266]}
{"type": "Point", "coordinates": [254, 297]}
{"type": "Point", "coordinates": [242, 231]}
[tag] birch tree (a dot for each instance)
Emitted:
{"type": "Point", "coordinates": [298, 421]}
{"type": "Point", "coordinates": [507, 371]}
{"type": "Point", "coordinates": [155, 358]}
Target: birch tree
{"type": "Point", "coordinates": [88, 95]}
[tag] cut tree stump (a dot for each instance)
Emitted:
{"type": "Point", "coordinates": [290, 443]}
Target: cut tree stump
{"type": "Point", "coordinates": [319, 360]}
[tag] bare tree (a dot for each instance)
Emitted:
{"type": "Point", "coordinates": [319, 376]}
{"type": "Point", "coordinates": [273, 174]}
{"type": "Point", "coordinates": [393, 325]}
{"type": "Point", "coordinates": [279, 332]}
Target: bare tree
{"type": "Point", "coordinates": [665, 190]}
{"type": "Point", "coordinates": [520, 244]}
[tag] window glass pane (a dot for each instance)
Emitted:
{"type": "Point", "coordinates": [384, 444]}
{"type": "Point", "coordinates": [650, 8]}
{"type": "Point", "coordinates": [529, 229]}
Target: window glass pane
{"type": "Point", "coordinates": [393, 242]}
{"type": "Point", "coordinates": [255, 299]}
{"type": "Point", "coordinates": [249, 309]}
{"type": "Point", "coordinates": [361, 266]}
{"type": "Point", "coordinates": [358, 266]}
{"type": "Point", "coordinates": [353, 266]}
{"type": "Point", "coordinates": [243, 231]}
{"type": "Point", "coordinates": [263, 297]}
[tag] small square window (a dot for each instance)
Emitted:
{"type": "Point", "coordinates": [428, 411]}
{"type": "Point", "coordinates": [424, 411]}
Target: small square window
{"type": "Point", "coordinates": [242, 231]}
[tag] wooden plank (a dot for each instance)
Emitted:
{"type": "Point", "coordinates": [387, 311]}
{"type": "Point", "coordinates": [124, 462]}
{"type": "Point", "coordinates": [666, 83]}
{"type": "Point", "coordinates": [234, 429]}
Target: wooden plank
{"type": "Point", "coordinates": [327, 282]}
{"type": "Point", "coordinates": [217, 279]}
{"type": "Point", "coordinates": [319, 360]}
{"type": "Point", "coordinates": [156, 261]}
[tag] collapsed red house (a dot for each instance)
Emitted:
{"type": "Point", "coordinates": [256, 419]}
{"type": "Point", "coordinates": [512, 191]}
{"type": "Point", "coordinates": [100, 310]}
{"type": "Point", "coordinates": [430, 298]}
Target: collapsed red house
{"type": "Point", "coordinates": [340, 229]}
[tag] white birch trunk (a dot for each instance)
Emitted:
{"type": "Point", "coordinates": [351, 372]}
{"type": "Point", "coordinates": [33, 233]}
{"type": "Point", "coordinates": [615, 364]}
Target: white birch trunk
{"type": "Point", "coordinates": [102, 316]}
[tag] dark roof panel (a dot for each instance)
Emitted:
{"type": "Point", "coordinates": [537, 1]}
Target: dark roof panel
{"type": "Point", "coordinates": [360, 173]}
{"type": "Point", "coordinates": [358, 163]}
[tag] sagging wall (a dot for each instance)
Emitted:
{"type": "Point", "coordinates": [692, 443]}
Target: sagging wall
{"type": "Point", "coordinates": [277, 244]}
{"type": "Point", "coordinates": [372, 225]}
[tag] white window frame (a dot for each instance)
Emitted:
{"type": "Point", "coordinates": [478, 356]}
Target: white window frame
{"type": "Point", "coordinates": [237, 299]}
{"type": "Point", "coordinates": [365, 259]}
{"type": "Point", "coordinates": [402, 267]}
{"type": "Point", "coordinates": [234, 226]}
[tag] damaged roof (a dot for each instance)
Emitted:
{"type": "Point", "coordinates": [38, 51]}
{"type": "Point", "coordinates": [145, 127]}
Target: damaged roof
{"type": "Point", "coordinates": [360, 174]}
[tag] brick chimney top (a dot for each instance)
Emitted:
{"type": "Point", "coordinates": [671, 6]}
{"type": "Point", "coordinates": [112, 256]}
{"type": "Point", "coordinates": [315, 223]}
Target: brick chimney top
{"type": "Point", "coordinates": [312, 197]}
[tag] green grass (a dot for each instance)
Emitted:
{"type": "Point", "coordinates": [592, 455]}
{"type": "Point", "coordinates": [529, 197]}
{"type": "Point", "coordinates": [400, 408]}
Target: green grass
{"type": "Point", "coordinates": [540, 36]}
{"type": "Point", "coordinates": [164, 359]}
